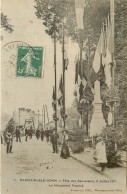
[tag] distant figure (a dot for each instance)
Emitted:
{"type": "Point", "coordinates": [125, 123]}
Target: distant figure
{"type": "Point", "coordinates": [2, 139]}
{"type": "Point", "coordinates": [54, 138]}
{"type": "Point", "coordinates": [26, 134]}
{"type": "Point", "coordinates": [47, 134]}
{"type": "Point", "coordinates": [9, 140]}
{"type": "Point", "coordinates": [30, 132]}
{"type": "Point", "coordinates": [64, 149]}
{"type": "Point", "coordinates": [100, 153]}
{"type": "Point", "coordinates": [18, 138]}
{"type": "Point", "coordinates": [42, 134]}
{"type": "Point", "coordinates": [37, 133]}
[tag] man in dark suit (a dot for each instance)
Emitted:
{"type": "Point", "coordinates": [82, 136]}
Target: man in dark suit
{"type": "Point", "coordinates": [54, 138]}
{"type": "Point", "coordinates": [26, 134]}
{"type": "Point", "coordinates": [17, 134]}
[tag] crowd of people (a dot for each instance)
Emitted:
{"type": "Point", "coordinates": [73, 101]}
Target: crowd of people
{"type": "Point", "coordinates": [50, 136]}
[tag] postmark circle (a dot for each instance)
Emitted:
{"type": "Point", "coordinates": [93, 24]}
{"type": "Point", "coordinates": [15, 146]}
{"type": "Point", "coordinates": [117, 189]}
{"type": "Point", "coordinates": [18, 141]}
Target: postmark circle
{"type": "Point", "coordinates": [10, 58]}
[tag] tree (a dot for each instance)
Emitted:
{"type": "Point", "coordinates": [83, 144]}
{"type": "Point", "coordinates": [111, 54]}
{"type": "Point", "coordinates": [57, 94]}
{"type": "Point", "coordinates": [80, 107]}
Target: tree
{"type": "Point", "coordinates": [75, 132]}
{"type": "Point", "coordinates": [94, 13]}
{"type": "Point", "coordinates": [53, 12]}
{"type": "Point", "coordinates": [121, 65]}
{"type": "Point", "coordinates": [113, 140]}
{"type": "Point", "coordinates": [5, 23]}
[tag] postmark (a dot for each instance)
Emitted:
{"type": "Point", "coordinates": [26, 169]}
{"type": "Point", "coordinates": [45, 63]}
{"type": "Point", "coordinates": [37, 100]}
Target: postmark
{"type": "Point", "coordinates": [21, 60]}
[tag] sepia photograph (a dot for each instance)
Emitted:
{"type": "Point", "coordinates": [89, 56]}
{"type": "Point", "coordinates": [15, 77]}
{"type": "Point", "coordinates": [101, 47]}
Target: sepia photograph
{"type": "Point", "coordinates": [63, 96]}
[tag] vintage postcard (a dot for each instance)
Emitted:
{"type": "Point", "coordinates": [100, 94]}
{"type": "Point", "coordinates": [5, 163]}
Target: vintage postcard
{"type": "Point", "coordinates": [63, 96]}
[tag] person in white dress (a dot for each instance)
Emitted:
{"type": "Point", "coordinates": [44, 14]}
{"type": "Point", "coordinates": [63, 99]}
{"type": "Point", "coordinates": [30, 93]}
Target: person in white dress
{"type": "Point", "coordinates": [100, 153]}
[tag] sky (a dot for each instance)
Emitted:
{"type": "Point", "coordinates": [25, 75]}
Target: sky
{"type": "Point", "coordinates": [33, 93]}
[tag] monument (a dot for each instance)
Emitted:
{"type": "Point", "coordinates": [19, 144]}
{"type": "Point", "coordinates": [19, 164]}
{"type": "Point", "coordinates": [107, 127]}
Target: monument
{"type": "Point", "coordinates": [97, 122]}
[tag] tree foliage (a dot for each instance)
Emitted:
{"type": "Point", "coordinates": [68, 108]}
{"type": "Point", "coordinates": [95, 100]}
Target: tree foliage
{"type": "Point", "coordinates": [5, 23]}
{"type": "Point", "coordinates": [53, 13]}
{"type": "Point", "coordinates": [94, 13]}
{"type": "Point", "coordinates": [113, 140]}
{"type": "Point", "coordinates": [121, 65]}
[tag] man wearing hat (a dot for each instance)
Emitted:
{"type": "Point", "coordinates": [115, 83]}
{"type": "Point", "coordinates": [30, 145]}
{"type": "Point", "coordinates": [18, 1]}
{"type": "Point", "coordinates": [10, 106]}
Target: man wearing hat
{"type": "Point", "coordinates": [54, 138]}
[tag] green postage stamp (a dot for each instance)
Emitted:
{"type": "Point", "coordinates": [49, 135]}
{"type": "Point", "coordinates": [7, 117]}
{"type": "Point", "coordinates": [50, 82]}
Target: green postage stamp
{"type": "Point", "coordinates": [30, 61]}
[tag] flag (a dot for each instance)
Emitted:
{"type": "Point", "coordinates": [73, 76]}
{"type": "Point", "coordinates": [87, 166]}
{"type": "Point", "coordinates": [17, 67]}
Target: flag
{"type": "Point", "coordinates": [77, 91]}
{"type": "Point", "coordinates": [81, 88]}
{"type": "Point", "coordinates": [79, 69]}
{"type": "Point", "coordinates": [81, 36]}
{"type": "Point", "coordinates": [109, 51]}
{"type": "Point", "coordinates": [79, 75]}
{"type": "Point", "coordinates": [66, 62]}
{"type": "Point", "coordinates": [108, 77]}
{"type": "Point", "coordinates": [60, 92]}
{"type": "Point", "coordinates": [109, 47]}
{"type": "Point", "coordinates": [53, 95]}
{"type": "Point", "coordinates": [97, 56]}
{"type": "Point", "coordinates": [79, 8]}
{"type": "Point", "coordinates": [100, 76]}
{"type": "Point", "coordinates": [84, 82]}
{"type": "Point", "coordinates": [93, 78]}
{"type": "Point", "coordinates": [76, 69]}
{"type": "Point", "coordinates": [103, 46]}
{"type": "Point", "coordinates": [111, 41]}
{"type": "Point", "coordinates": [54, 98]}
{"type": "Point", "coordinates": [85, 69]}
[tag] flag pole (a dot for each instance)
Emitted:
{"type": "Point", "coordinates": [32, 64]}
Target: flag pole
{"type": "Point", "coordinates": [38, 117]}
{"type": "Point", "coordinates": [113, 28]}
{"type": "Point", "coordinates": [55, 75]}
{"type": "Point", "coordinates": [88, 81]}
{"type": "Point", "coordinates": [63, 51]}
{"type": "Point", "coordinates": [42, 119]}
{"type": "Point", "coordinates": [44, 115]}
{"type": "Point", "coordinates": [112, 102]}
{"type": "Point", "coordinates": [19, 116]}
{"type": "Point", "coordinates": [47, 113]}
